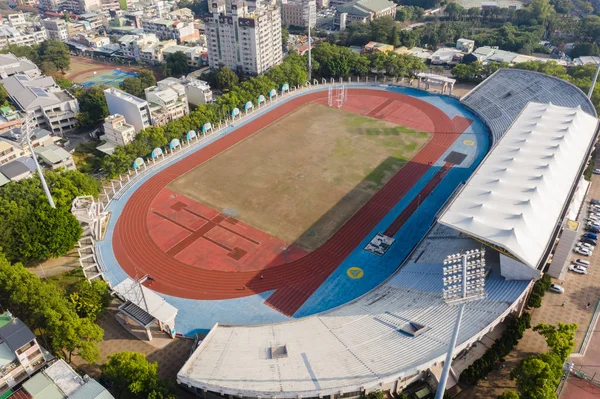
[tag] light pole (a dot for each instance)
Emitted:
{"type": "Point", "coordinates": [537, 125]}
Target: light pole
{"type": "Point", "coordinates": [29, 125]}
{"type": "Point", "coordinates": [464, 281]}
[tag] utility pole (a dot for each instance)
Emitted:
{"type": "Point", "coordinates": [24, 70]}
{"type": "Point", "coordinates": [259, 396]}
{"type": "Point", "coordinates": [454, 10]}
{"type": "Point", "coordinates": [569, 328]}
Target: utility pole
{"type": "Point", "coordinates": [28, 131]}
{"type": "Point", "coordinates": [309, 43]}
{"type": "Point", "coordinates": [594, 82]}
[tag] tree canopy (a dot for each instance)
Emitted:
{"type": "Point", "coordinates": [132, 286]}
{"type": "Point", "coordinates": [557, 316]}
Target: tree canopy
{"type": "Point", "coordinates": [175, 64]}
{"type": "Point", "coordinates": [48, 313]}
{"type": "Point", "coordinates": [92, 106]}
{"type": "Point", "coordinates": [30, 230]}
{"type": "Point", "coordinates": [131, 375]}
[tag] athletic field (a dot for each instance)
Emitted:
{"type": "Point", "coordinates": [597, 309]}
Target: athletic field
{"type": "Point", "coordinates": [302, 177]}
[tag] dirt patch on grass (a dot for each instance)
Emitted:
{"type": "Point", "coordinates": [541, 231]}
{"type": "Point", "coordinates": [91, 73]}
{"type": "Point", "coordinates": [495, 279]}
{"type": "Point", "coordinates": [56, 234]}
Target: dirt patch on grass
{"type": "Point", "coordinates": [301, 178]}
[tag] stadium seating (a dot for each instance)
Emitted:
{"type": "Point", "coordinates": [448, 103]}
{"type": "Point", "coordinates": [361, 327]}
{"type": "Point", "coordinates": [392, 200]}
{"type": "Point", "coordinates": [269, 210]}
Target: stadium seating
{"type": "Point", "coordinates": [500, 99]}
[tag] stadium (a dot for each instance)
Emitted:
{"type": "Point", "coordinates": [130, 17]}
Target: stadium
{"type": "Point", "coordinates": [308, 238]}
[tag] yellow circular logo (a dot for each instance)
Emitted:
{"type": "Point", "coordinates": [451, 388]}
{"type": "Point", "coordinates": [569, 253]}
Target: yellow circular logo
{"type": "Point", "coordinates": [470, 143]}
{"type": "Point", "coordinates": [355, 272]}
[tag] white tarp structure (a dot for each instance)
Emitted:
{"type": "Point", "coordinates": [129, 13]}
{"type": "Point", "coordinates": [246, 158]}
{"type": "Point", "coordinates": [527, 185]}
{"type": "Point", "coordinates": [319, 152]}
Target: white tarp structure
{"type": "Point", "coordinates": [515, 198]}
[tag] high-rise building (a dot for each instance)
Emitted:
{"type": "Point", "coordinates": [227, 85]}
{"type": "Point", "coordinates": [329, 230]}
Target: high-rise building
{"type": "Point", "coordinates": [246, 41]}
{"type": "Point", "coordinates": [56, 29]}
{"type": "Point", "coordinates": [302, 13]}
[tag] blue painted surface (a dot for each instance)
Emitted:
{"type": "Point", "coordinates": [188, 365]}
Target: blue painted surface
{"type": "Point", "coordinates": [110, 78]}
{"type": "Point", "coordinates": [200, 316]}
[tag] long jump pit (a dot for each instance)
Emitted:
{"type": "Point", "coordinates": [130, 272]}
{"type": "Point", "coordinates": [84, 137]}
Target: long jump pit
{"type": "Point", "coordinates": [278, 203]}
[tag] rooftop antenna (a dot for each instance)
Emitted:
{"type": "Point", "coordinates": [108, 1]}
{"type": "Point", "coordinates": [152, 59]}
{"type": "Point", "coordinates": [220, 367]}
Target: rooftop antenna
{"type": "Point", "coordinates": [29, 124]}
{"type": "Point", "coordinates": [594, 82]}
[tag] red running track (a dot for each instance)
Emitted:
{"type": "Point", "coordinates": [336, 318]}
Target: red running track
{"type": "Point", "coordinates": [296, 281]}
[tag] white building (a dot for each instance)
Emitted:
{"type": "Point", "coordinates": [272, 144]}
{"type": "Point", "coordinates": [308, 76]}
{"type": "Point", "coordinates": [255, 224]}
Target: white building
{"type": "Point", "coordinates": [166, 29]}
{"type": "Point", "coordinates": [246, 41]}
{"type": "Point", "coordinates": [12, 143]}
{"type": "Point", "coordinates": [56, 29]}
{"type": "Point", "coordinates": [54, 108]}
{"type": "Point", "coordinates": [197, 91]}
{"type": "Point", "coordinates": [117, 130]}
{"type": "Point", "coordinates": [465, 45]}
{"type": "Point", "coordinates": [132, 45]}
{"type": "Point", "coordinates": [55, 157]}
{"type": "Point", "coordinates": [299, 13]}
{"type": "Point", "coordinates": [135, 110]}
{"type": "Point", "coordinates": [16, 20]}
{"type": "Point", "coordinates": [193, 54]}
{"type": "Point", "coordinates": [21, 37]}
{"type": "Point", "coordinates": [167, 102]}
{"type": "Point", "coordinates": [11, 65]}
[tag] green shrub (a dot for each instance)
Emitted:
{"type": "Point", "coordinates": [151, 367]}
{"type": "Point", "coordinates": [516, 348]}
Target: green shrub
{"type": "Point", "coordinates": [539, 289]}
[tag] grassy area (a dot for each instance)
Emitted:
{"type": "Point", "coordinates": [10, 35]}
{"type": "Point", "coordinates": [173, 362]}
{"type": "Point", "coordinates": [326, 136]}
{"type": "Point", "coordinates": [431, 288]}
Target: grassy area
{"type": "Point", "coordinates": [87, 158]}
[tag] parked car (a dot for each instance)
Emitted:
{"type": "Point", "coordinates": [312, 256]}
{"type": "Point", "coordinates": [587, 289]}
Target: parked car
{"type": "Point", "coordinates": [589, 241]}
{"type": "Point", "coordinates": [592, 229]}
{"type": "Point", "coordinates": [578, 269]}
{"type": "Point", "coordinates": [582, 251]}
{"type": "Point", "coordinates": [557, 288]}
{"type": "Point", "coordinates": [591, 235]}
{"type": "Point", "coordinates": [596, 171]}
{"type": "Point", "coordinates": [595, 201]}
{"type": "Point", "coordinates": [581, 262]}
{"type": "Point", "coordinates": [585, 245]}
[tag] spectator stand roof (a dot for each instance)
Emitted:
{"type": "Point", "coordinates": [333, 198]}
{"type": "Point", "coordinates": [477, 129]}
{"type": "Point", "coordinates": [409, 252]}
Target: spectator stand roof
{"type": "Point", "coordinates": [516, 197]}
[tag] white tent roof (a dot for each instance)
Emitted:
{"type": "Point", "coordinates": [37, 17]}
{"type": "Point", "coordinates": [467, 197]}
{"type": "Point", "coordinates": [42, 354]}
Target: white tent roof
{"type": "Point", "coordinates": [516, 196]}
{"type": "Point", "coordinates": [158, 307]}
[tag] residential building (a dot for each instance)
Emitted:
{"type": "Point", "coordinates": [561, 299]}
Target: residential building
{"type": "Point", "coordinates": [246, 41]}
{"type": "Point", "coordinates": [9, 119]}
{"type": "Point", "coordinates": [26, 36]}
{"type": "Point", "coordinates": [363, 11]}
{"type": "Point", "coordinates": [193, 54]}
{"type": "Point", "coordinates": [197, 91]}
{"type": "Point", "coordinates": [374, 47]}
{"type": "Point", "coordinates": [20, 354]}
{"type": "Point", "coordinates": [13, 146]}
{"type": "Point", "coordinates": [17, 20]}
{"type": "Point", "coordinates": [117, 130]}
{"type": "Point", "coordinates": [60, 381]}
{"type": "Point", "coordinates": [153, 54]}
{"type": "Point", "coordinates": [15, 171]}
{"type": "Point", "coordinates": [53, 107]}
{"type": "Point", "coordinates": [301, 13]}
{"type": "Point", "coordinates": [56, 29]}
{"type": "Point", "coordinates": [167, 102]}
{"type": "Point", "coordinates": [94, 20]}
{"type": "Point", "coordinates": [446, 56]}
{"type": "Point", "coordinates": [166, 29]}
{"type": "Point", "coordinates": [132, 45]}
{"type": "Point", "coordinates": [11, 65]}
{"type": "Point", "coordinates": [54, 157]}
{"type": "Point", "coordinates": [135, 110]}
{"type": "Point", "coordinates": [181, 14]}
{"type": "Point", "coordinates": [465, 45]}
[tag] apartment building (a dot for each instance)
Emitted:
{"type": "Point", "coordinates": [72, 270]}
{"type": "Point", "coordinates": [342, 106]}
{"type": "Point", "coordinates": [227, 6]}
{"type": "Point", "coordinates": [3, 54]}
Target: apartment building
{"type": "Point", "coordinates": [132, 45]}
{"type": "Point", "coordinates": [20, 354]}
{"type": "Point", "coordinates": [17, 20]}
{"type": "Point", "coordinates": [24, 36]}
{"type": "Point", "coordinates": [363, 11]}
{"type": "Point", "coordinates": [117, 130]}
{"type": "Point", "coordinates": [11, 65]}
{"type": "Point", "coordinates": [154, 54]}
{"type": "Point", "coordinates": [54, 108]}
{"type": "Point", "coordinates": [56, 29]}
{"type": "Point", "coordinates": [301, 13]}
{"type": "Point", "coordinates": [181, 14]}
{"type": "Point", "coordinates": [167, 102]}
{"type": "Point", "coordinates": [135, 110]}
{"type": "Point", "coordinates": [243, 40]}
{"type": "Point", "coordinates": [166, 29]}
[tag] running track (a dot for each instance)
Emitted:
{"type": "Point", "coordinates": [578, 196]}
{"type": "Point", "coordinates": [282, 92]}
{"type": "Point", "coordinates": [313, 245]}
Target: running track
{"type": "Point", "coordinates": [292, 282]}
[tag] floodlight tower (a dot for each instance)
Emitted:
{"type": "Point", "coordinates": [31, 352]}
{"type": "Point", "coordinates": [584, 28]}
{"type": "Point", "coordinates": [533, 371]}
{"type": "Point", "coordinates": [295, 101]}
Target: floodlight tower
{"type": "Point", "coordinates": [464, 281]}
{"type": "Point", "coordinates": [28, 127]}
{"type": "Point", "coordinates": [591, 91]}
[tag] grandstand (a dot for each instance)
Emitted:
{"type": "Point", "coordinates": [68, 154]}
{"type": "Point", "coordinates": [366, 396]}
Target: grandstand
{"type": "Point", "coordinates": [399, 332]}
{"type": "Point", "coordinates": [393, 334]}
{"type": "Point", "coordinates": [502, 97]}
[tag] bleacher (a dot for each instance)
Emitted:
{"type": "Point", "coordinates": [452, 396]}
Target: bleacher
{"type": "Point", "coordinates": [394, 331]}
{"type": "Point", "coordinates": [501, 97]}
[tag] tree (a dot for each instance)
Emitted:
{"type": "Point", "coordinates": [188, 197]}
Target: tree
{"type": "Point", "coordinates": [146, 78]}
{"type": "Point", "coordinates": [226, 79]}
{"type": "Point", "coordinates": [538, 376]}
{"type": "Point", "coordinates": [176, 64]}
{"type": "Point", "coordinates": [55, 52]}
{"type": "Point", "coordinates": [92, 106]}
{"type": "Point", "coordinates": [560, 339]}
{"type": "Point", "coordinates": [3, 96]}
{"type": "Point", "coordinates": [583, 49]}
{"type": "Point", "coordinates": [285, 36]}
{"type": "Point", "coordinates": [48, 313]}
{"type": "Point", "coordinates": [375, 395]}
{"type": "Point", "coordinates": [509, 395]}
{"type": "Point", "coordinates": [455, 11]}
{"type": "Point", "coordinates": [90, 298]}
{"type": "Point", "coordinates": [133, 86]}
{"type": "Point", "coordinates": [131, 373]}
